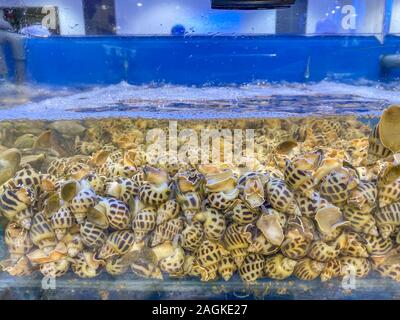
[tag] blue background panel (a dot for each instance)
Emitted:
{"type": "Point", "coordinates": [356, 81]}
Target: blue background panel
{"type": "Point", "coordinates": [202, 60]}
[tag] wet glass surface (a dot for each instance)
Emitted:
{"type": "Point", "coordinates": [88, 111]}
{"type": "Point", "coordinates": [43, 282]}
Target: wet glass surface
{"type": "Point", "coordinates": [106, 131]}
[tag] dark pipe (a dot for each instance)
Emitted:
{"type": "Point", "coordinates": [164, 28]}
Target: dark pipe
{"type": "Point", "coordinates": [390, 61]}
{"type": "Point", "coordinates": [251, 4]}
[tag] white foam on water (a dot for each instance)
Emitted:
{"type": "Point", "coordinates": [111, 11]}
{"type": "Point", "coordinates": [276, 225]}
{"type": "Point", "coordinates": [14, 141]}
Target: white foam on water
{"type": "Point", "coordinates": [168, 101]}
{"type": "Point", "coordinates": [12, 95]}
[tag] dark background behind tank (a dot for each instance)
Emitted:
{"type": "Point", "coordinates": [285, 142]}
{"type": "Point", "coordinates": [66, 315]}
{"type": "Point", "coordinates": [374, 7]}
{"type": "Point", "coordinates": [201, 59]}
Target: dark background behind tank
{"type": "Point", "coordinates": [99, 17]}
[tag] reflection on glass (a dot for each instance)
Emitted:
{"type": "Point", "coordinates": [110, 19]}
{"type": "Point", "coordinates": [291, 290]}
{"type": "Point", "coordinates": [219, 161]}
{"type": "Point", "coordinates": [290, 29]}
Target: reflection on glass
{"type": "Point", "coordinates": [395, 23]}
{"type": "Point", "coordinates": [345, 17]}
{"type": "Point", "coordinates": [159, 16]}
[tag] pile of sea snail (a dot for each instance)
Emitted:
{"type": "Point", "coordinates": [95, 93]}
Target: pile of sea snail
{"type": "Point", "coordinates": [320, 199]}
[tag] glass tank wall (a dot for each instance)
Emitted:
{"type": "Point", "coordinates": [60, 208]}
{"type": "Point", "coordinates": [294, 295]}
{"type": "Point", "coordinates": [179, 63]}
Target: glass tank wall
{"type": "Point", "coordinates": [163, 149]}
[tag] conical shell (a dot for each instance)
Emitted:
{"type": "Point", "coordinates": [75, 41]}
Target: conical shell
{"type": "Point", "coordinates": [144, 222]}
{"type": "Point", "coordinates": [270, 226]}
{"type": "Point", "coordinates": [252, 267]}
{"type": "Point", "coordinates": [236, 240]}
{"type": "Point", "coordinates": [329, 218]}
{"type": "Point", "coordinates": [41, 232]}
{"type": "Point", "coordinates": [389, 128]}
{"type": "Point", "coordinates": [279, 267]}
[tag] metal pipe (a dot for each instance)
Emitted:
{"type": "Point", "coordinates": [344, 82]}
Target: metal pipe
{"type": "Point", "coordinates": [390, 61]}
{"type": "Point", "coordinates": [251, 4]}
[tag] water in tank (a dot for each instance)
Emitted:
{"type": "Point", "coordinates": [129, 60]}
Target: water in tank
{"type": "Point", "coordinates": [182, 149]}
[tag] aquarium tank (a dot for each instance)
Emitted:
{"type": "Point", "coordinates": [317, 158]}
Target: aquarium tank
{"type": "Point", "coordinates": [200, 149]}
